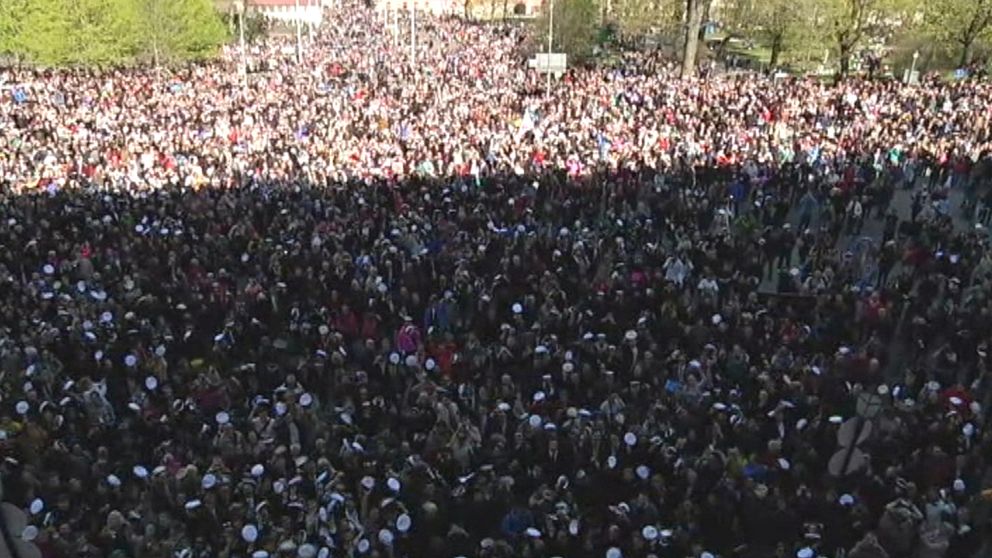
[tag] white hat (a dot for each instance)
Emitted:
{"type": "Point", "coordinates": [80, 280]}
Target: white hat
{"type": "Point", "coordinates": [706, 554]}
{"type": "Point", "coordinates": [257, 470]}
{"type": "Point", "coordinates": [716, 319]}
{"type": "Point", "coordinates": [836, 419]}
{"type": "Point", "coordinates": [306, 400]}
{"type": "Point", "coordinates": [151, 382]}
{"type": "Point", "coordinates": [784, 464]}
{"type": "Point", "coordinates": [649, 532]}
{"type": "Point", "coordinates": [533, 533]}
{"type": "Point", "coordinates": [393, 484]}
{"type": "Point", "coordinates": [140, 471]}
{"type": "Point", "coordinates": [430, 364]}
{"type": "Point", "coordinates": [573, 527]}
{"type": "Point", "coordinates": [614, 552]}
{"type": "Point", "coordinates": [517, 308]}
{"type": "Point", "coordinates": [720, 406]}
{"type": "Point", "coordinates": [160, 350]}
{"type": "Point", "coordinates": [113, 480]}
{"type": "Point", "coordinates": [363, 546]}
{"type": "Point", "coordinates": [193, 504]}
{"type": "Point", "coordinates": [22, 407]}
{"type": "Point", "coordinates": [306, 551]}
{"type": "Point", "coordinates": [630, 335]}
{"type": "Point", "coordinates": [630, 439]}
{"type": "Point", "coordinates": [403, 523]}
{"type": "Point", "coordinates": [846, 500]}
{"type": "Point", "coordinates": [394, 358]}
{"type": "Point", "coordinates": [956, 401]}
{"type": "Point", "coordinates": [883, 389]}
{"type": "Point", "coordinates": [801, 423]}
{"type": "Point", "coordinates": [534, 421]}
{"type": "Point", "coordinates": [968, 429]}
{"type": "Point", "coordinates": [223, 418]}
{"type": "Point", "coordinates": [539, 396]}
{"type": "Point", "coordinates": [130, 360]}
{"type": "Point", "coordinates": [37, 505]}
{"type": "Point", "coordinates": [386, 536]}
{"type": "Point", "coordinates": [958, 485]}
{"type": "Point", "coordinates": [249, 533]}
{"type": "Point", "coordinates": [29, 533]}
{"type": "Point", "coordinates": [260, 554]}
{"type": "Point", "coordinates": [209, 481]}
{"type": "Point", "coordinates": [368, 483]}
{"type": "Point", "coordinates": [643, 472]}
{"type": "Point", "coordinates": [411, 361]}
{"type": "Point", "coordinates": [611, 461]}
{"type": "Point", "coordinates": [805, 552]}
{"type": "Point", "coordinates": [503, 406]}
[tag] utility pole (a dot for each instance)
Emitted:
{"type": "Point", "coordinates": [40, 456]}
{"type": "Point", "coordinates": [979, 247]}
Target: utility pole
{"type": "Point", "coordinates": [240, 6]}
{"type": "Point", "coordinates": [396, 27]}
{"type": "Point", "coordinates": [299, 34]}
{"type": "Point", "coordinates": [551, 31]}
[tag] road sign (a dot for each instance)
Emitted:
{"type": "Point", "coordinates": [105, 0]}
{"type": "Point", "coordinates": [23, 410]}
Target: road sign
{"type": "Point", "coordinates": [553, 63]}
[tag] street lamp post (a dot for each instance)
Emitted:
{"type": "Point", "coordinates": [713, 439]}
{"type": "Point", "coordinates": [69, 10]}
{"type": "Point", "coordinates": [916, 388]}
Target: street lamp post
{"type": "Point", "coordinates": [912, 67]}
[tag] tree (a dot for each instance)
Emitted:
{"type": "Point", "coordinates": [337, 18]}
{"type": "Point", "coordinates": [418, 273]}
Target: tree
{"type": "Point", "coordinates": [180, 29]}
{"type": "Point", "coordinates": [12, 14]}
{"type": "Point", "coordinates": [575, 26]}
{"type": "Point", "coordinates": [108, 32]}
{"type": "Point", "coordinates": [638, 17]}
{"type": "Point", "coordinates": [959, 23]}
{"type": "Point", "coordinates": [77, 32]}
{"type": "Point", "coordinates": [256, 27]}
{"type": "Point", "coordinates": [694, 19]}
{"type": "Point", "coordinates": [852, 21]}
{"type": "Point", "coordinates": [780, 22]}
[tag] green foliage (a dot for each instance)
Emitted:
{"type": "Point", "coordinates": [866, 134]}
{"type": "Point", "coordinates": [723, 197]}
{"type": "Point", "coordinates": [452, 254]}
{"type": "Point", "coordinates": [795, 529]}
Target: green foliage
{"type": "Point", "coordinates": [782, 25]}
{"type": "Point", "coordinates": [635, 17]}
{"type": "Point", "coordinates": [575, 28]}
{"type": "Point", "coordinates": [256, 27]}
{"type": "Point", "coordinates": [958, 24]}
{"type": "Point", "coordinates": [852, 22]}
{"type": "Point", "coordinates": [108, 32]}
{"type": "Point", "coordinates": [179, 29]}
{"type": "Point", "coordinates": [12, 14]}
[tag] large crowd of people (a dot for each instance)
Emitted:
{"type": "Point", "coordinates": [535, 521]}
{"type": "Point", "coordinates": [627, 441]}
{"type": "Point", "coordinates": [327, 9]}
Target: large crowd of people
{"type": "Point", "coordinates": [360, 305]}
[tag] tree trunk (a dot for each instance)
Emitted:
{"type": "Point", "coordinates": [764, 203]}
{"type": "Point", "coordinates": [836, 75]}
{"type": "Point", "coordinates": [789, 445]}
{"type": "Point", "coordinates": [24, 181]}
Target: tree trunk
{"type": "Point", "coordinates": [705, 18]}
{"type": "Point", "coordinates": [966, 47]}
{"type": "Point", "coordinates": [776, 51]}
{"type": "Point", "coordinates": [844, 60]}
{"type": "Point", "coordinates": [694, 18]}
{"type": "Point", "coordinates": [505, 4]}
